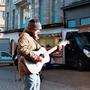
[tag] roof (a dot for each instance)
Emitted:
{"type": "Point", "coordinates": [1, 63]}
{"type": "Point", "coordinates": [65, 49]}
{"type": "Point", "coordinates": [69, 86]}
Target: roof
{"type": "Point", "coordinates": [76, 4]}
{"type": "Point", "coordinates": [56, 31]}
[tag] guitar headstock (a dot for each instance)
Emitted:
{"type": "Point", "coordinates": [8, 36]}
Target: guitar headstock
{"type": "Point", "coordinates": [64, 42]}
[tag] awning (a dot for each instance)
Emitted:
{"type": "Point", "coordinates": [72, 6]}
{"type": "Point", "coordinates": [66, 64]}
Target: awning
{"type": "Point", "coordinates": [50, 31]}
{"type": "Point", "coordinates": [56, 31]}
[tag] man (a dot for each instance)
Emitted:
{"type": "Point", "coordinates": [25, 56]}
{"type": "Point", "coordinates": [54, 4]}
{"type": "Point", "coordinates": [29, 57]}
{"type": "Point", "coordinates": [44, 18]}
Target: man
{"type": "Point", "coordinates": [27, 43]}
{"type": "Point", "coordinates": [28, 61]}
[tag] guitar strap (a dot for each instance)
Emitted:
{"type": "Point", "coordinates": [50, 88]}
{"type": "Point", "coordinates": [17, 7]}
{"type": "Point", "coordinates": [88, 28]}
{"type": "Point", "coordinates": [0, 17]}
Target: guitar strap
{"type": "Point", "coordinates": [38, 45]}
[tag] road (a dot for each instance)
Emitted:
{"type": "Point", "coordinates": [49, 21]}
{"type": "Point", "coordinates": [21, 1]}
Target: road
{"type": "Point", "coordinates": [9, 78]}
{"type": "Point", "coordinates": [62, 79]}
{"type": "Point", "coordinates": [54, 79]}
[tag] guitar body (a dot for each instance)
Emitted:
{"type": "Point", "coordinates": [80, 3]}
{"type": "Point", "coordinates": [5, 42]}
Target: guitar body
{"type": "Point", "coordinates": [36, 67]}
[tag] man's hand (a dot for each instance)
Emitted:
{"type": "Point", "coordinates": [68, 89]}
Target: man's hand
{"type": "Point", "coordinates": [62, 43]}
{"type": "Point", "coordinates": [38, 58]}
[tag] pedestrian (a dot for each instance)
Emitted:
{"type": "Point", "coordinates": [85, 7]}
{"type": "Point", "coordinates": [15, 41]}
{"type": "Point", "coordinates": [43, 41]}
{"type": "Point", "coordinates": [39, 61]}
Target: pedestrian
{"type": "Point", "coordinates": [27, 43]}
{"type": "Point", "coordinates": [15, 57]}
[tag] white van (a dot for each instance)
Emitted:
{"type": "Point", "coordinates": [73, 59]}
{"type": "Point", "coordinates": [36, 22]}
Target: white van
{"type": "Point", "coordinates": [77, 53]}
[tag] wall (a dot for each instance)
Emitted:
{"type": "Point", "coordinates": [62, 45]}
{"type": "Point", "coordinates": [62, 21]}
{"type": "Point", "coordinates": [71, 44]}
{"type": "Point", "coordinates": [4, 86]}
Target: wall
{"type": "Point", "coordinates": [77, 13]}
{"type": "Point", "coordinates": [13, 36]}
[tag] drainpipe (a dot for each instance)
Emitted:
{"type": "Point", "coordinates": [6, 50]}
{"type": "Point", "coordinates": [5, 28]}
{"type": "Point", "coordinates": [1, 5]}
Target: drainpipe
{"type": "Point", "coordinates": [64, 20]}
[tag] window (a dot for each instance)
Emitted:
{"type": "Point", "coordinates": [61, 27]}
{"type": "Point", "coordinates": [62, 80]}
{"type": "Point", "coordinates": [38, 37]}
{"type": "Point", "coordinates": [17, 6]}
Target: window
{"type": "Point", "coordinates": [71, 23]}
{"type": "Point", "coordinates": [26, 16]}
{"type": "Point", "coordinates": [56, 12]}
{"type": "Point", "coordinates": [13, 19]}
{"type": "Point", "coordinates": [5, 54]}
{"type": "Point", "coordinates": [7, 1]}
{"type": "Point", "coordinates": [2, 1]}
{"type": "Point", "coordinates": [85, 21]}
{"type": "Point", "coordinates": [7, 20]}
{"type": "Point", "coordinates": [42, 5]}
{"type": "Point", "coordinates": [2, 14]}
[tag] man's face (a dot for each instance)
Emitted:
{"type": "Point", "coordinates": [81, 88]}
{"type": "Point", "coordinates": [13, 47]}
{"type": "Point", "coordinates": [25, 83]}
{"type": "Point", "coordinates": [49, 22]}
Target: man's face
{"type": "Point", "coordinates": [36, 32]}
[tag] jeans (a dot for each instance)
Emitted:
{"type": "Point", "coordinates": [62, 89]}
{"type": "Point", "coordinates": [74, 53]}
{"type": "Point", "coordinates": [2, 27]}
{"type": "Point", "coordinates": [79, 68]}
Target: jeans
{"type": "Point", "coordinates": [32, 82]}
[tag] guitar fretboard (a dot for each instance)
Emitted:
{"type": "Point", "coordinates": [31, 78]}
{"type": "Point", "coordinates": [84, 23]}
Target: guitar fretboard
{"type": "Point", "coordinates": [51, 50]}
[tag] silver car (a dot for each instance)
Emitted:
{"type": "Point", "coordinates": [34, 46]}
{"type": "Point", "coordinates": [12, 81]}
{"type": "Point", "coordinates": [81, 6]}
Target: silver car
{"type": "Point", "coordinates": [6, 58]}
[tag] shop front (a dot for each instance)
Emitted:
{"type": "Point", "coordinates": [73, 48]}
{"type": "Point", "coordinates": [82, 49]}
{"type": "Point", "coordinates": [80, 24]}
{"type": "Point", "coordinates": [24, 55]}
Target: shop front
{"type": "Point", "coordinates": [49, 38]}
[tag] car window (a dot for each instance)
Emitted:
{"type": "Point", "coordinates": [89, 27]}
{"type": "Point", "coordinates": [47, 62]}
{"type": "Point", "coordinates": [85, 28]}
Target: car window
{"type": "Point", "coordinates": [4, 54]}
{"type": "Point", "coordinates": [68, 36]}
{"type": "Point", "coordinates": [82, 39]}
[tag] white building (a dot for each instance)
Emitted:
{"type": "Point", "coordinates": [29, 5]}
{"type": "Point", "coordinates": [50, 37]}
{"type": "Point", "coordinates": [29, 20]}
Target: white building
{"type": "Point", "coordinates": [18, 12]}
{"type": "Point", "coordinates": [2, 16]}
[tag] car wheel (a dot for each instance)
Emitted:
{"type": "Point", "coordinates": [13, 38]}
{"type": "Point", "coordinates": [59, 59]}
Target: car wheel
{"type": "Point", "coordinates": [81, 65]}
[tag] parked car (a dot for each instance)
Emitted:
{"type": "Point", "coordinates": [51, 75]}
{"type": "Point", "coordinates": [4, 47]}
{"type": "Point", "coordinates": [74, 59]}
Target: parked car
{"type": "Point", "coordinates": [6, 58]}
{"type": "Point", "coordinates": [77, 53]}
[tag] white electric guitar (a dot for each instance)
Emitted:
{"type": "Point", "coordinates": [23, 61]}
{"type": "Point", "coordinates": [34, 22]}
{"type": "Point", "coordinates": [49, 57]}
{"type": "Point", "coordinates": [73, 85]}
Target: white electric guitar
{"type": "Point", "coordinates": [36, 67]}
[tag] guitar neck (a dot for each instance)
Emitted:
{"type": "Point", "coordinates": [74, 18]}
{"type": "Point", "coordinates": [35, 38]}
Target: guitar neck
{"type": "Point", "coordinates": [51, 50]}
{"type": "Point", "coordinates": [62, 43]}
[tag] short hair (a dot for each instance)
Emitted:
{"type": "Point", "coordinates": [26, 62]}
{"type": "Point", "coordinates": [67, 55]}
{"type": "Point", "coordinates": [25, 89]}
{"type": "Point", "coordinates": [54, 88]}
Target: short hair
{"type": "Point", "coordinates": [34, 24]}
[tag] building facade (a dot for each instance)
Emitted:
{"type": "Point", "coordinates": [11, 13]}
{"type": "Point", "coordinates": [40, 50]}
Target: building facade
{"type": "Point", "coordinates": [2, 16]}
{"type": "Point", "coordinates": [77, 14]}
{"type": "Point", "coordinates": [19, 12]}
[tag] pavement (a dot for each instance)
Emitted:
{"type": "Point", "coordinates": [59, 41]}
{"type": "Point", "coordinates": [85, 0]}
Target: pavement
{"type": "Point", "coordinates": [9, 78]}
{"type": "Point", "coordinates": [53, 79]}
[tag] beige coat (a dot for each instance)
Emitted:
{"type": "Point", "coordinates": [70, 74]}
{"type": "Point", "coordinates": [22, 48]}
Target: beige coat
{"type": "Point", "coordinates": [26, 44]}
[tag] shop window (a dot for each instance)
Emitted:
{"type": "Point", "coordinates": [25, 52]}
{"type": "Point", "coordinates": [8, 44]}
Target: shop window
{"type": "Point", "coordinates": [71, 23]}
{"type": "Point", "coordinates": [85, 21]}
{"type": "Point", "coordinates": [56, 11]}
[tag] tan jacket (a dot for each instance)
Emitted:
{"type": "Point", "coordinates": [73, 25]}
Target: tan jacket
{"type": "Point", "coordinates": [26, 44]}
